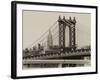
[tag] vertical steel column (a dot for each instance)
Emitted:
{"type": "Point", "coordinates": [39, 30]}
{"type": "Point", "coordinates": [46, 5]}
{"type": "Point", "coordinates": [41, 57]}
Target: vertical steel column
{"type": "Point", "coordinates": [74, 38]}
{"type": "Point", "coordinates": [72, 35]}
{"type": "Point", "coordinates": [61, 34]}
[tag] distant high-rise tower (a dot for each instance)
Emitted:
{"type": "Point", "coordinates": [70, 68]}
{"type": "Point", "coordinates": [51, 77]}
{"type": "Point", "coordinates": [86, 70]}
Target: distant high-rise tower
{"type": "Point", "coordinates": [49, 40]}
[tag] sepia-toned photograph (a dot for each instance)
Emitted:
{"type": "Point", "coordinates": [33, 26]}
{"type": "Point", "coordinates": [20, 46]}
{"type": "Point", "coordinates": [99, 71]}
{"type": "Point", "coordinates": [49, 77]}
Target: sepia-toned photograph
{"type": "Point", "coordinates": [53, 39]}
{"type": "Point", "coordinates": [56, 39]}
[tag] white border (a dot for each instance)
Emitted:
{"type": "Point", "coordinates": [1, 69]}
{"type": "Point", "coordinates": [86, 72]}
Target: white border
{"type": "Point", "coordinates": [33, 72]}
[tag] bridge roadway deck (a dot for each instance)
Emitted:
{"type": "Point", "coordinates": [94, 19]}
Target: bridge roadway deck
{"type": "Point", "coordinates": [61, 55]}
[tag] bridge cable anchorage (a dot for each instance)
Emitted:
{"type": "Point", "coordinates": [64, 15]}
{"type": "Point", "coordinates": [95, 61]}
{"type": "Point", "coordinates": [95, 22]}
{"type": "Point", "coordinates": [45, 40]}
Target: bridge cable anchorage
{"type": "Point", "coordinates": [42, 35]}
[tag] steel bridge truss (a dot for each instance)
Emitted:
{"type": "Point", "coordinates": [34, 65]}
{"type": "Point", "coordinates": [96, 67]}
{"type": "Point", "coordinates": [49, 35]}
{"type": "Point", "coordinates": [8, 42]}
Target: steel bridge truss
{"type": "Point", "coordinates": [63, 23]}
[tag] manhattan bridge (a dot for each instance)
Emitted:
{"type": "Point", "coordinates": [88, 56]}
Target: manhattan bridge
{"type": "Point", "coordinates": [50, 49]}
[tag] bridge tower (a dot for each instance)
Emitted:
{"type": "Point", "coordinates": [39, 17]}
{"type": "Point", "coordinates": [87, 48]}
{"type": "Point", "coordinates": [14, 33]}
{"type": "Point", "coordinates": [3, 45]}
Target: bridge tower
{"type": "Point", "coordinates": [72, 39]}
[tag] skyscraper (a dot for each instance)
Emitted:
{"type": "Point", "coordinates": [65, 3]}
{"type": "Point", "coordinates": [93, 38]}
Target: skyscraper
{"type": "Point", "coordinates": [49, 40]}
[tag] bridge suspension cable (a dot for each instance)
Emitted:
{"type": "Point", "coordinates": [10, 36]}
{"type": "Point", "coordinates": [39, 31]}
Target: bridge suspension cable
{"type": "Point", "coordinates": [43, 37]}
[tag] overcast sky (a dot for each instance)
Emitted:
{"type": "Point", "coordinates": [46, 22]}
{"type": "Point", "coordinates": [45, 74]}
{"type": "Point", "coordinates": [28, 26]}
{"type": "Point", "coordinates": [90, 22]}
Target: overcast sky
{"type": "Point", "coordinates": [35, 23]}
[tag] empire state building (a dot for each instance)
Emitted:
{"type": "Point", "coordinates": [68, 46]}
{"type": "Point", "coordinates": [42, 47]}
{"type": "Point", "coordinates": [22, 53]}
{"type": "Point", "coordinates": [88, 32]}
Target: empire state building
{"type": "Point", "coordinates": [49, 40]}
